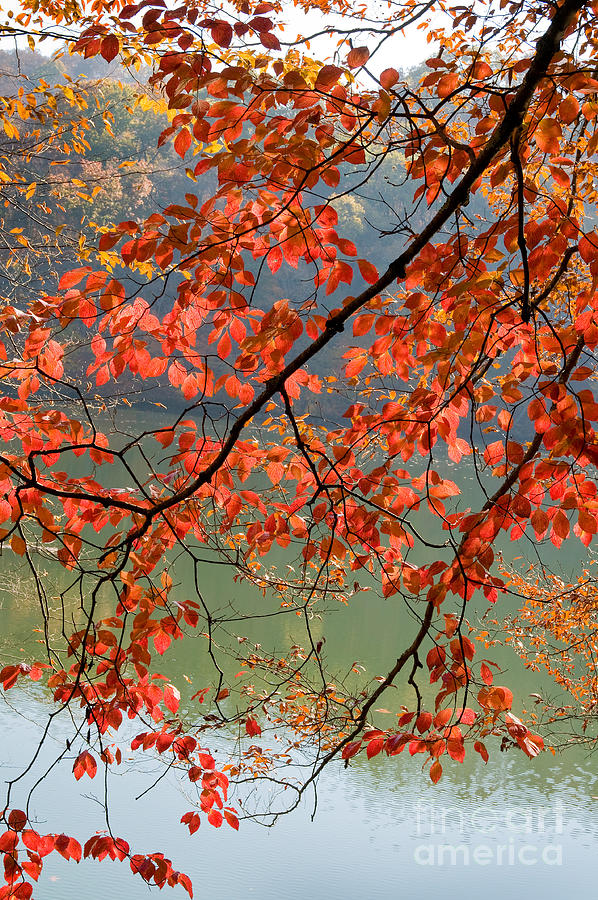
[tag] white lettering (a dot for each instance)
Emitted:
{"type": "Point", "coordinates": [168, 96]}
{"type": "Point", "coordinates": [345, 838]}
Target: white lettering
{"type": "Point", "coordinates": [524, 859]}
{"type": "Point", "coordinates": [428, 859]}
{"type": "Point", "coordinates": [552, 855]}
{"type": "Point", "coordinates": [526, 825]}
{"type": "Point", "coordinates": [482, 855]}
{"type": "Point", "coordinates": [453, 850]}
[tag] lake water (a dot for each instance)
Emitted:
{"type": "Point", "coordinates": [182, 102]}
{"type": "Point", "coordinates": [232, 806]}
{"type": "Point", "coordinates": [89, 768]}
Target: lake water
{"type": "Point", "coordinates": [510, 828]}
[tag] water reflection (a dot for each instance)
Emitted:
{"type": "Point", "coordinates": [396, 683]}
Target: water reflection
{"type": "Point", "coordinates": [504, 829]}
{"type": "Point", "coordinates": [507, 828]}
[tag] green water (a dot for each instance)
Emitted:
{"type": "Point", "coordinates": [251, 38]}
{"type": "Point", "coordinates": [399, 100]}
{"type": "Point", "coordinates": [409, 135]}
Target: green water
{"type": "Point", "coordinates": [509, 828]}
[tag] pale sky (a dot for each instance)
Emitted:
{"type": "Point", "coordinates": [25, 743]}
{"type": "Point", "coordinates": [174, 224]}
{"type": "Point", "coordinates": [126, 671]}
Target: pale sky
{"type": "Point", "coordinates": [399, 52]}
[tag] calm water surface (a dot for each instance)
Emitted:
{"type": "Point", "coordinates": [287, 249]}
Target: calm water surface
{"type": "Point", "coordinates": [507, 829]}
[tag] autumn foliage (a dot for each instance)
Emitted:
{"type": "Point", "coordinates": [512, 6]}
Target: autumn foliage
{"type": "Point", "coordinates": [469, 339]}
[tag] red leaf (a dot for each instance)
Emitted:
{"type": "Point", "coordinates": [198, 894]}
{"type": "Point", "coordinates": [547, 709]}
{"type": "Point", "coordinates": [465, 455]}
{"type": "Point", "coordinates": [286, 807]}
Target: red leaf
{"type": "Point", "coordinates": [109, 239]}
{"type": "Point", "coordinates": [456, 747]}
{"type": "Point", "coordinates": [192, 820]}
{"type": "Point", "coordinates": [215, 818]}
{"type": "Point", "coordinates": [165, 437]}
{"type": "Point", "coordinates": [369, 272]}
{"type": "Point", "coordinates": [447, 84]}
{"type": "Point", "coordinates": [486, 674]}
{"type": "Point", "coordinates": [109, 47]}
{"type": "Point", "coordinates": [260, 23]}
{"type": "Point", "coordinates": [465, 716]}
{"type": "Point", "coordinates": [423, 722]}
{"type": "Point", "coordinates": [435, 771]}
{"type": "Point", "coordinates": [224, 346]}
{"type": "Point", "coordinates": [182, 142]}
{"type": "Point", "coordinates": [68, 847]}
{"type": "Point", "coordinates": [70, 279]}
{"type": "Point", "coordinates": [374, 747]}
{"type": "Point", "coordinates": [252, 728]}
{"type": "Point", "coordinates": [85, 764]}
{"type": "Point", "coordinates": [560, 525]}
{"type": "Point", "coordinates": [531, 744]}
{"type": "Point", "coordinates": [568, 109]}
{"type": "Point", "coordinates": [161, 642]}
{"type": "Point", "coordinates": [274, 259]}
{"type": "Point", "coordinates": [222, 33]}
{"type": "Point", "coordinates": [8, 841]}
{"type": "Point", "coordinates": [17, 819]}
{"type": "Point", "coordinates": [172, 698]}
{"type": "Point", "coordinates": [163, 741]}
{"type": "Point", "coordinates": [588, 247]}
{"type": "Point", "coordinates": [547, 135]}
{"type": "Point", "coordinates": [351, 749]}
{"type": "Point", "coordinates": [9, 675]}
{"type": "Point", "coordinates": [269, 40]}
{"type": "Point", "coordinates": [113, 296]}
{"type": "Point", "coordinates": [481, 749]}
{"type": "Point", "coordinates": [185, 746]}
{"type": "Point", "coordinates": [362, 324]}
{"type": "Point", "coordinates": [74, 850]}
{"type": "Point", "coordinates": [435, 657]}
{"type": "Point", "coordinates": [189, 387]}
{"type": "Point", "coordinates": [231, 819]}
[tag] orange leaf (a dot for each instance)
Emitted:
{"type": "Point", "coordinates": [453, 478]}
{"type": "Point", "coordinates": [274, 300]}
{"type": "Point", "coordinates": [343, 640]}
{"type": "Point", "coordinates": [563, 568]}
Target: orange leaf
{"type": "Point", "coordinates": [362, 324]}
{"type": "Point", "coordinates": [18, 545]}
{"type": "Point", "coordinates": [435, 771]}
{"type": "Point", "coordinates": [369, 272]}
{"type": "Point", "coordinates": [357, 57]}
{"type": "Point", "coordinates": [496, 698]}
{"type": "Point", "coordinates": [547, 135]}
{"type": "Point", "coordinates": [447, 84]}
{"type": "Point", "coordinates": [568, 109]}
{"type": "Point", "coordinates": [182, 142]}
{"type": "Point", "coordinates": [388, 78]}
{"type": "Point", "coordinates": [327, 77]}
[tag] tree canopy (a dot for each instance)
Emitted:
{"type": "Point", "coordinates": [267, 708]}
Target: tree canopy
{"type": "Point", "coordinates": [356, 277]}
